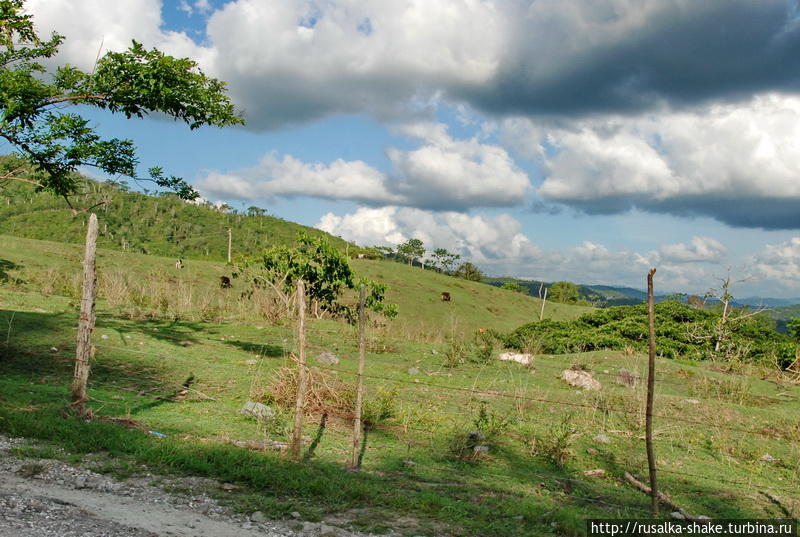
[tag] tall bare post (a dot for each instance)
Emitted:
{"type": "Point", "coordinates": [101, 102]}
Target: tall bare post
{"type": "Point", "coordinates": [85, 350]}
{"type": "Point", "coordinates": [544, 301]}
{"type": "Point", "coordinates": [302, 371]}
{"type": "Point", "coordinates": [651, 381]}
{"type": "Point", "coordinates": [230, 240]}
{"type": "Point", "coordinates": [362, 352]}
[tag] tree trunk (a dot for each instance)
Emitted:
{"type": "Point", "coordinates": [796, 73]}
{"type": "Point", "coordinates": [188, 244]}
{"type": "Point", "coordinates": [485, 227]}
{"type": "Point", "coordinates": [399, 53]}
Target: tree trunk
{"type": "Point", "coordinates": [85, 350]}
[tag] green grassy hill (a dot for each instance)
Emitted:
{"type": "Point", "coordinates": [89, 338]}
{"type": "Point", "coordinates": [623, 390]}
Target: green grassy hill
{"type": "Point", "coordinates": [135, 222]}
{"type": "Point", "coordinates": [154, 282]}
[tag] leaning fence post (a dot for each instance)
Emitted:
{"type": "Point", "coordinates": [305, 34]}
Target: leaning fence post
{"type": "Point", "coordinates": [302, 372]}
{"type": "Point", "coordinates": [544, 301]}
{"type": "Point", "coordinates": [362, 351]}
{"type": "Point", "coordinates": [85, 350]}
{"type": "Point", "coordinates": [651, 379]}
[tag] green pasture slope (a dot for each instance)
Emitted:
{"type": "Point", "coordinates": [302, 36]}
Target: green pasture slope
{"type": "Point", "coordinates": [724, 435]}
{"type": "Point", "coordinates": [134, 222]}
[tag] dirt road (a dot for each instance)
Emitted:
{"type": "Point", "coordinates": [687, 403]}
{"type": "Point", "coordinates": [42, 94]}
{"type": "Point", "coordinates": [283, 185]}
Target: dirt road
{"type": "Point", "coordinates": [48, 498]}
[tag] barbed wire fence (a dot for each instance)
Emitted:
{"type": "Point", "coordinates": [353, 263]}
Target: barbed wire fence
{"type": "Point", "coordinates": [421, 437]}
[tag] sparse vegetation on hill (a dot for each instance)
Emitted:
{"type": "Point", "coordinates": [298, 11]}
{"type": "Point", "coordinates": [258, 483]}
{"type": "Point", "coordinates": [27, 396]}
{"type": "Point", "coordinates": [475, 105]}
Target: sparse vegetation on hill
{"type": "Point", "coordinates": [135, 222]}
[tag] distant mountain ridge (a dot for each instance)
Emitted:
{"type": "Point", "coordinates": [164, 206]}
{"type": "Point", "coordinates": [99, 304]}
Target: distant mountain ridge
{"type": "Point", "coordinates": [609, 295]}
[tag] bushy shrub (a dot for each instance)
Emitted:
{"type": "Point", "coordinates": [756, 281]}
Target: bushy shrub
{"type": "Point", "coordinates": [681, 331]}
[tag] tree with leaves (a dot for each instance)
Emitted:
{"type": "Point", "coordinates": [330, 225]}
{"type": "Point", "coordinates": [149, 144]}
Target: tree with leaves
{"type": "Point", "coordinates": [565, 292]}
{"type": "Point", "coordinates": [325, 271]}
{"type": "Point", "coordinates": [468, 271]}
{"type": "Point", "coordinates": [444, 260]}
{"type": "Point", "coordinates": [514, 286]}
{"type": "Point", "coordinates": [35, 103]}
{"type": "Point", "coordinates": [411, 250]}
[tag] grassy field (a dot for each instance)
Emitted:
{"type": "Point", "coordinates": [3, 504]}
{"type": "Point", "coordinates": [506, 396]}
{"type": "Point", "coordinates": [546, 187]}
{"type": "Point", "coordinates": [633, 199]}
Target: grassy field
{"type": "Point", "coordinates": [724, 437]}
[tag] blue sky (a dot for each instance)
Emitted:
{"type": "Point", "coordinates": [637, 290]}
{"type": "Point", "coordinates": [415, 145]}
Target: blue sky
{"type": "Point", "coordinates": [584, 140]}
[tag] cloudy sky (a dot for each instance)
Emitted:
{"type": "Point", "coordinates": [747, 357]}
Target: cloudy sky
{"type": "Point", "coordinates": [585, 140]}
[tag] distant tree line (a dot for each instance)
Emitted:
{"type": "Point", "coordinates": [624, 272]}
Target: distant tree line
{"type": "Point", "coordinates": [413, 253]}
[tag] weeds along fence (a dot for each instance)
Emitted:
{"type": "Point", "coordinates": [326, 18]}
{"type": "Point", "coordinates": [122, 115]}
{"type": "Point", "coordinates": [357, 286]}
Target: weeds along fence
{"type": "Point", "coordinates": [424, 437]}
{"type": "Point", "coordinates": [473, 438]}
{"type": "Point", "coordinates": [547, 433]}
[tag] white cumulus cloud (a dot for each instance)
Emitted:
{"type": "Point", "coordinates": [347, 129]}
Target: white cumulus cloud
{"type": "Point", "coordinates": [443, 174]}
{"type": "Point", "coordinates": [736, 163]}
{"type": "Point", "coordinates": [480, 238]}
{"type": "Point", "coordinates": [700, 249]}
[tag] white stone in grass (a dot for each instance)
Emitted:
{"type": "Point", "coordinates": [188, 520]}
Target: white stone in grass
{"type": "Point", "coordinates": [580, 379]}
{"type": "Point", "coordinates": [258, 411]}
{"type": "Point", "coordinates": [104, 336]}
{"type": "Point", "coordinates": [598, 472]}
{"type": "Point", "coordinates": [327, 358]}
{"type": "Point", "coordinates": [524, 359]}
{"type": "Point", "coordinates": [766, 457]}
{"type": "Point", "coordinates": [602, 439]}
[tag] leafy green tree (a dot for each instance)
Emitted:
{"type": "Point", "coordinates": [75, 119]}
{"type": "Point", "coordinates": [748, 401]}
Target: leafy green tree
{"type": "Point", "coordinates": [383, 251]}
{"type": "Point", "coordinates": [325, 271]}
{"type": "Point", "coordinates": [514, 286]}
{"type": "Point", "coordinates": [34, 102]}
{"type": "Point", "coordinates": [564, 292]}
{"type": "Point", "coordinates": [255, 211]}
{"type": "Point", "coordinates": [444, 260]}
{"type": "Point", "coordinates": [794, 328]}
{"type": "Point", "coordinates": [468, 271]}
{"type": "Point", "coordinates": [411, 250]}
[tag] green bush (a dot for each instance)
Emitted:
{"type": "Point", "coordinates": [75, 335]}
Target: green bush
{"type": "Point", "coordinates": [681, 331]}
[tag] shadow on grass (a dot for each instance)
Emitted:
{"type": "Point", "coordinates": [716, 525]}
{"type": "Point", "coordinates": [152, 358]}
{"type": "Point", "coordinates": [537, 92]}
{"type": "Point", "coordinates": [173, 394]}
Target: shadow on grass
{"type": "Point", "coordinates": [262, 349]}
{"type": "Point", "coordinates": [38, 348]}
{"type": "Point", "coordinates": [5, 266]}
{"type": "Point", "coordinates": [715, 500]}
{"type": "Point", "coordinates": [176, 332]}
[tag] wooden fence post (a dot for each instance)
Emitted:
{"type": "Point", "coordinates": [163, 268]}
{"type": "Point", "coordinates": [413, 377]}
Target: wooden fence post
{"type": "Point", "coordinates": [85, 350]}
{"type": "Point", "coordinates": [651, 379]}
{"type": "Point", "coordinates": [362, 351]}
{"type": "Point", "coordinates": [302, 372]}
{"type": "Point", "coordinates": [544, 301]}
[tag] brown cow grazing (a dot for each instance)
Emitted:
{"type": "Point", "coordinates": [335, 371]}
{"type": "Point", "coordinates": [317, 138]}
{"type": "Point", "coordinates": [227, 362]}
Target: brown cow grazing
{"type": "Point", "coordinates": [225, 282]}
{"type": "Point", "coordinates": [445, 297]}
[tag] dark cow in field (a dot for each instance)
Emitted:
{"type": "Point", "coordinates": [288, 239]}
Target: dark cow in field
{"type": "Point", "coordinates": [445, 297]}
{"type": "Point", "coordinates": [224, 282]}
